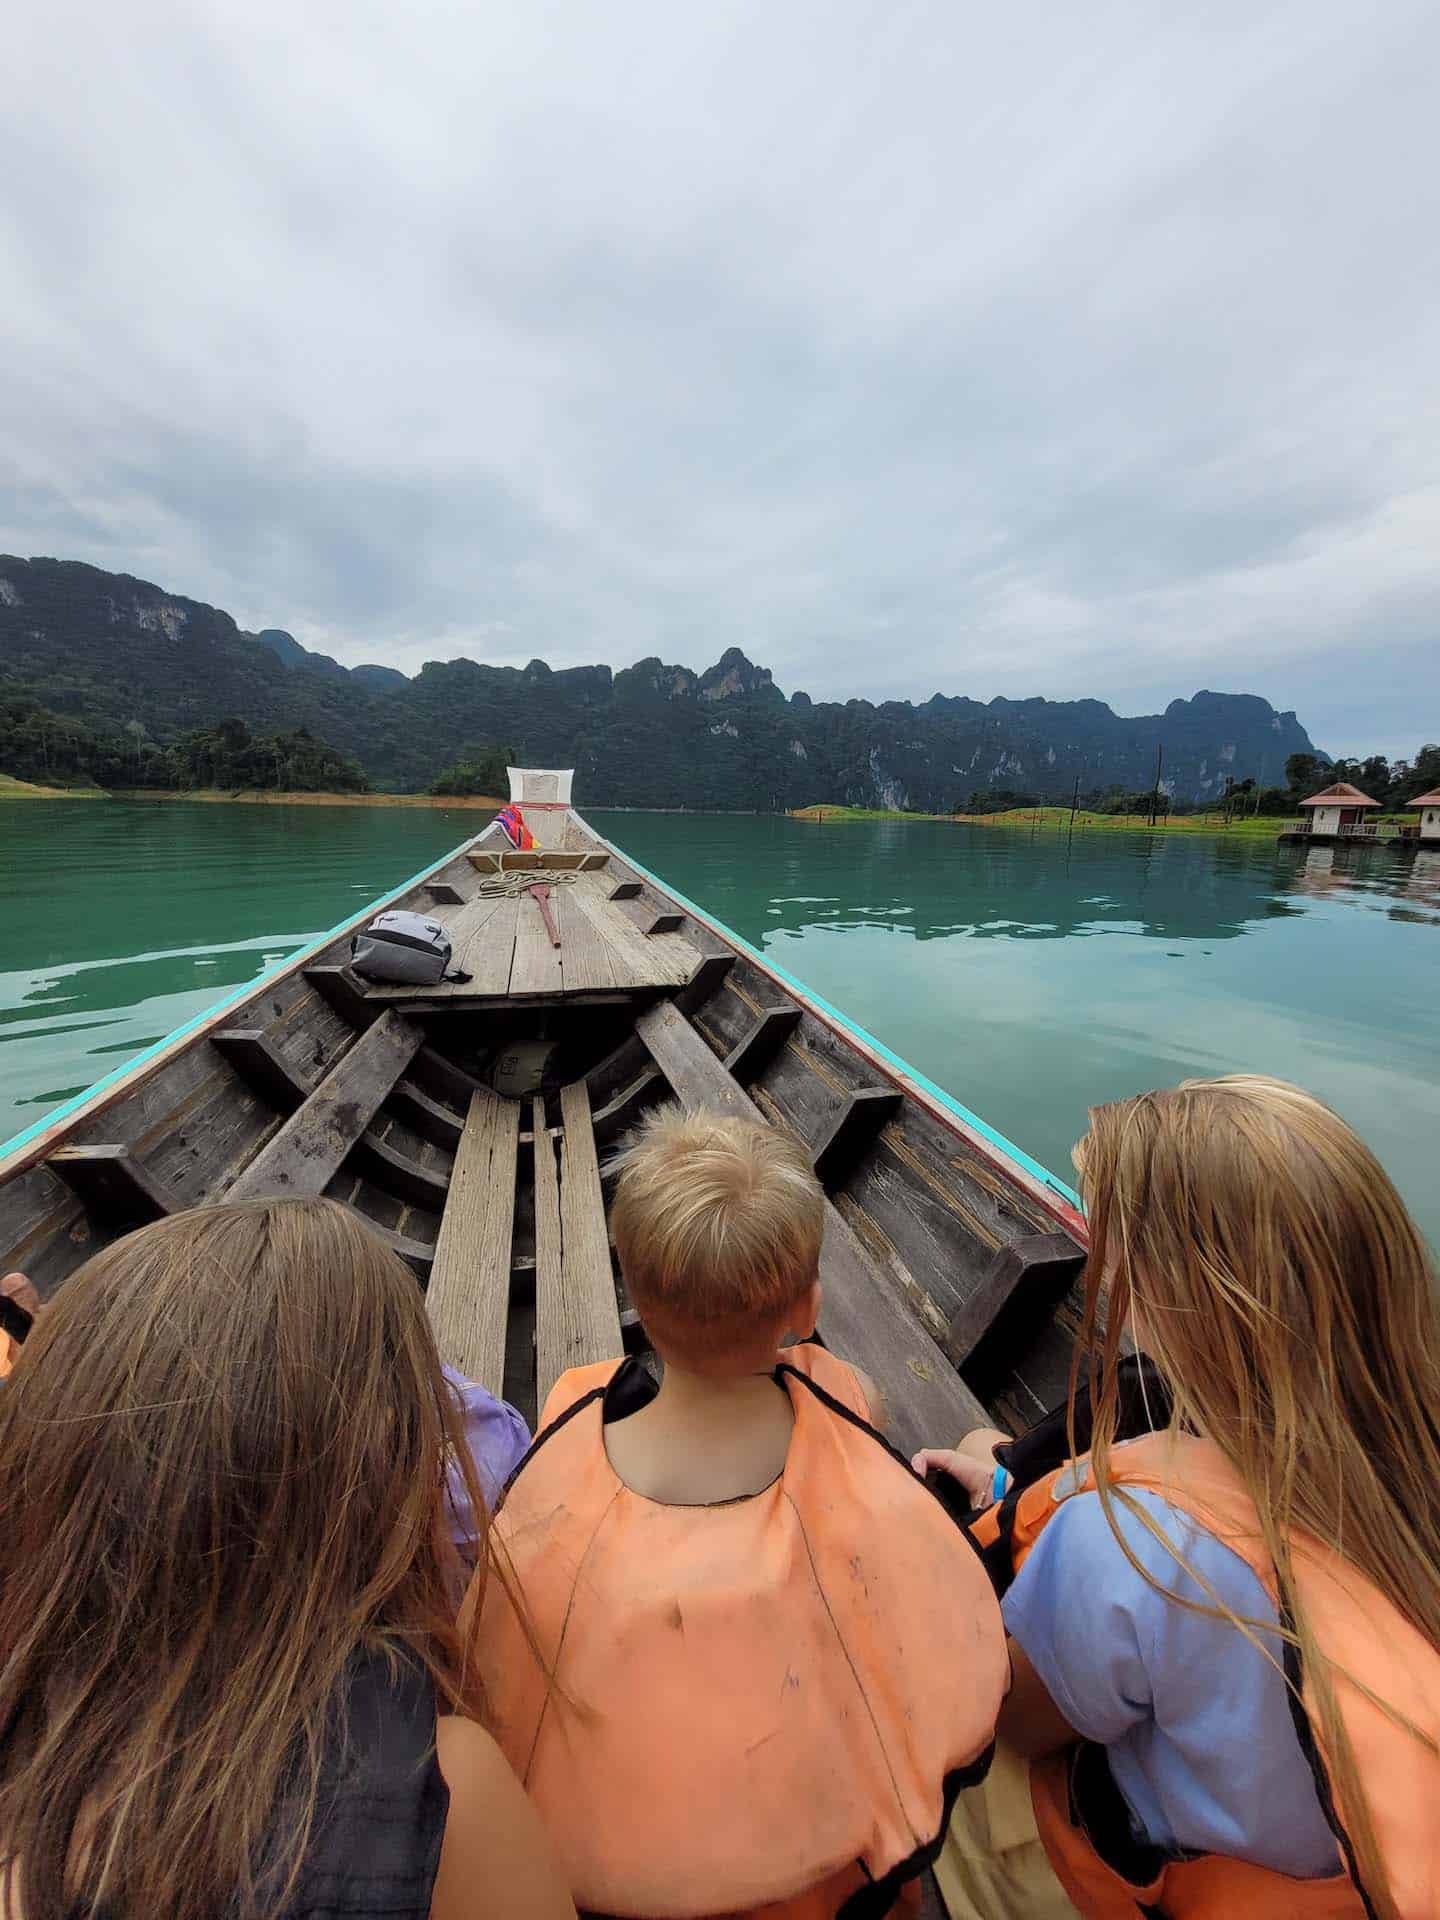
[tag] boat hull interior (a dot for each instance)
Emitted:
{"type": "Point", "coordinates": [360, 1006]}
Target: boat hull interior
{"type": "Point", "coordinates": [471, 1124]}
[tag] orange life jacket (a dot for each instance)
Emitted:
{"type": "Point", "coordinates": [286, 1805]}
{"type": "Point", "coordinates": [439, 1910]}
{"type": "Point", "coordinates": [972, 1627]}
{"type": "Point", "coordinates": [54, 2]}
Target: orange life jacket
{"type": "Point", "coordinates": [770, 1700]}
{"type": "Point", "coordinates": [1360, 1632]}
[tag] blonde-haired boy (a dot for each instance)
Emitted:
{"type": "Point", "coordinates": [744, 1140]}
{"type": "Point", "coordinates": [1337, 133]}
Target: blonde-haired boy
{"type": "Point", "coordinates": [772, 1658]}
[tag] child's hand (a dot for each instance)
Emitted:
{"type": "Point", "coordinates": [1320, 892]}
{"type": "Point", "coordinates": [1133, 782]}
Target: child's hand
{"type": "Point", "coordinates": [16, 1287]}
{"type": "Point", "coordinates": [974, 1476]}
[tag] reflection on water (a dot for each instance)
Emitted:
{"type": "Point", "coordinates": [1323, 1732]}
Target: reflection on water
{"type": "Point", "coordinates": [1032, 974]}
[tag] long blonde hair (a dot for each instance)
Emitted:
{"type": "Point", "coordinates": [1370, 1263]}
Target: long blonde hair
{"type": "Point", "coordinates": [226, 1448]}
{"type": "Point", "coordinates": [1273, 1273]}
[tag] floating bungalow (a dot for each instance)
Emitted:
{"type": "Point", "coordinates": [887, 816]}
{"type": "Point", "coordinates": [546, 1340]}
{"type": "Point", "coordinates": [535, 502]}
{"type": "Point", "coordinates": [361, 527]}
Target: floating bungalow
{"type": "Point", "coordinates": [1428, 804]}
{"type": "Point", "coordinates": [1340, 813]}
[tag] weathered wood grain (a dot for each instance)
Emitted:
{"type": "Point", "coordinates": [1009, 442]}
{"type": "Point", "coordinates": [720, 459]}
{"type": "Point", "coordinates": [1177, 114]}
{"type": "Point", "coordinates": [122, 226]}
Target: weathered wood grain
{"type": "Point", "coordinates": [576, 1318]}
{"type": "Point", "coordinates": [666, 960]}
{"type": "Point", "coordinates": [489, 956]}
{"type": "Point", "coordinates": [535, 967]}
{"type": "Point", "coordinates": [585, 959]}
{"type": "Point", "coordinates": [308, 1149]}
{"type": "Point", "coordinates": [696, 1076]}
{"type": "Point", "coordinates": [468, 1297]}
{"type": "Point", "coordinates": [867, 1321]}
{"type": "Point", "coordinates": [211, 1135]}
{"type": "Point", "coordinates": [549, 1269]}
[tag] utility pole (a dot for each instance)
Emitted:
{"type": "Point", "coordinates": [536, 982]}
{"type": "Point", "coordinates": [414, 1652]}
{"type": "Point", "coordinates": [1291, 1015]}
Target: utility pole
{"type": "Point", "coordinates": [1074, 802]}
{"type": "Point", "coordinates": [1155, 790]}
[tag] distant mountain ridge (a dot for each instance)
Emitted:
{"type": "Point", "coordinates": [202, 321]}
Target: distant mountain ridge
{"type": "Point", "coordinates": [112, 650]}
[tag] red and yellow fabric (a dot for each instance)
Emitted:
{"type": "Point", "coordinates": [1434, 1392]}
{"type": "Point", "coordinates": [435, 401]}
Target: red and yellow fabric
{"type": "Point", "coordinates": [512, 823]}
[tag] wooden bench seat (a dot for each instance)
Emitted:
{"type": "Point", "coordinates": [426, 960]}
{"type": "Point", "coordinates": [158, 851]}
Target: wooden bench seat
{"type": "Point", "coordinates": [307, 1151]}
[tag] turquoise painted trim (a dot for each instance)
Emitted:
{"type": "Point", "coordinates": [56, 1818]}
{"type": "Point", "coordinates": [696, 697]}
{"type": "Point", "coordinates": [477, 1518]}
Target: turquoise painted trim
{"type": "Point", "coordinates": [242, 992]}
{"type": "Point", "coordinates": [962, 1112]}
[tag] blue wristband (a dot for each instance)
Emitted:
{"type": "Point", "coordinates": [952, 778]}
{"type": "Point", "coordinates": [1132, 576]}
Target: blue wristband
{"type": "Point", "coordinates": [1000, 1483]}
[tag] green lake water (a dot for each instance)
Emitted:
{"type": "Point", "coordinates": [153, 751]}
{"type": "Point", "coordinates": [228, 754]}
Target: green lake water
{"type": "Point", "coordinates": [1029, 975]}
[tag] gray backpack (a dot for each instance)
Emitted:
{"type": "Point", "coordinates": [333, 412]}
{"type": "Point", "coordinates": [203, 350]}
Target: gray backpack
{"type": "Point", "coordinates": [406, 949]}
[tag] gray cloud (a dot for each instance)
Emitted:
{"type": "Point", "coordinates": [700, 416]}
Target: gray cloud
{"type": "Point", "coordinates": [909, 346]}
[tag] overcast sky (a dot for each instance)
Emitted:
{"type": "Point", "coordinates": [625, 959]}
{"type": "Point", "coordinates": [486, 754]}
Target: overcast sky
{"type": "Point", "coordinates": [1050, 348]}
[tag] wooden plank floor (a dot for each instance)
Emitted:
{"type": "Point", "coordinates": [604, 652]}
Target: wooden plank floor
{"type": "Point", "coordinates": [468, 1299]}
{"type": "Point", "coordinates": [503, 946]}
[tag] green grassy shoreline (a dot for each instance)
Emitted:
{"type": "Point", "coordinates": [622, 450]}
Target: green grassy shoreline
{"type": "Point", "coordinates": [1034, 819]}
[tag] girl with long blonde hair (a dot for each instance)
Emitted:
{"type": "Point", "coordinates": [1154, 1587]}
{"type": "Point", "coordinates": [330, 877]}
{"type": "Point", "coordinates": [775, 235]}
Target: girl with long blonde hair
{"type": "Point", "coordinates": [230, 1679]}
{"type": "Point", "coordinates": [1225, 1636]}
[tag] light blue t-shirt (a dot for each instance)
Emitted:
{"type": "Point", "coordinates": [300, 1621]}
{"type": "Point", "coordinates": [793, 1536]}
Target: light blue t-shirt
{"type": "Point", "coordinates": [1196, 1722]}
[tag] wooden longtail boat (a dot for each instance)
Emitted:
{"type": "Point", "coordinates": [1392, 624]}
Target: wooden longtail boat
{"type": "Point", "coordinates": [469, 1123]}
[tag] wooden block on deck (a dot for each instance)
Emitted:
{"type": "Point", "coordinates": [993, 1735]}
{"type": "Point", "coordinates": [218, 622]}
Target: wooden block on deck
{"type": "Point", "coordinates": [345, 992]}
{"type": "Point", "coordinates": [752, 1054]}
{"type": "Point", "coordinates": [259, 1062]}
{"type": "Point", "coordinates": [308, 1149]}
{"type": "Point", "coordinates": [112, 1184]}
{"type": "Point", "coordinates": [442, 895]}
{"type": "Point", "coordinates": [484, 862]}
{"type": "Point", "coordinates": [1030, 1277]}
{"type": "Point", "coordinates": [577, 1320]}
{"type": "Point", "coordinates": [859, 1119]}
{"type": "Point", "coordinates": [592, 862]}
{"type": "Point", "coordinates": [625, 890]}
{"type": "Point", "coordinates": [468, 1299]}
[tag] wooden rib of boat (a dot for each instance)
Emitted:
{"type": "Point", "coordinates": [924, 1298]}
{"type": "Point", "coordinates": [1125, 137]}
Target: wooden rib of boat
{"type": "Point", "coordinates": [950, 1262]}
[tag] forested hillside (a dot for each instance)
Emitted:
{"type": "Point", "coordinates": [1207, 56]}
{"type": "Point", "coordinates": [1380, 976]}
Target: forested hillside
{"type": "Point", "coordinates": [54, 749]}
{"type": "Point", "coordinates": [111, 653]}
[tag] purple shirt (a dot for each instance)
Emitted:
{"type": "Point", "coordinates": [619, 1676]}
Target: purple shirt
{"type": "Point", "coordinates": [497, 1436]}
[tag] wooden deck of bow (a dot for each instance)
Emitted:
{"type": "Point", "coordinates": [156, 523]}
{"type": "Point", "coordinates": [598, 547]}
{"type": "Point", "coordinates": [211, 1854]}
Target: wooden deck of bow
{"type": "Point", "coordinates": [610, 945]}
